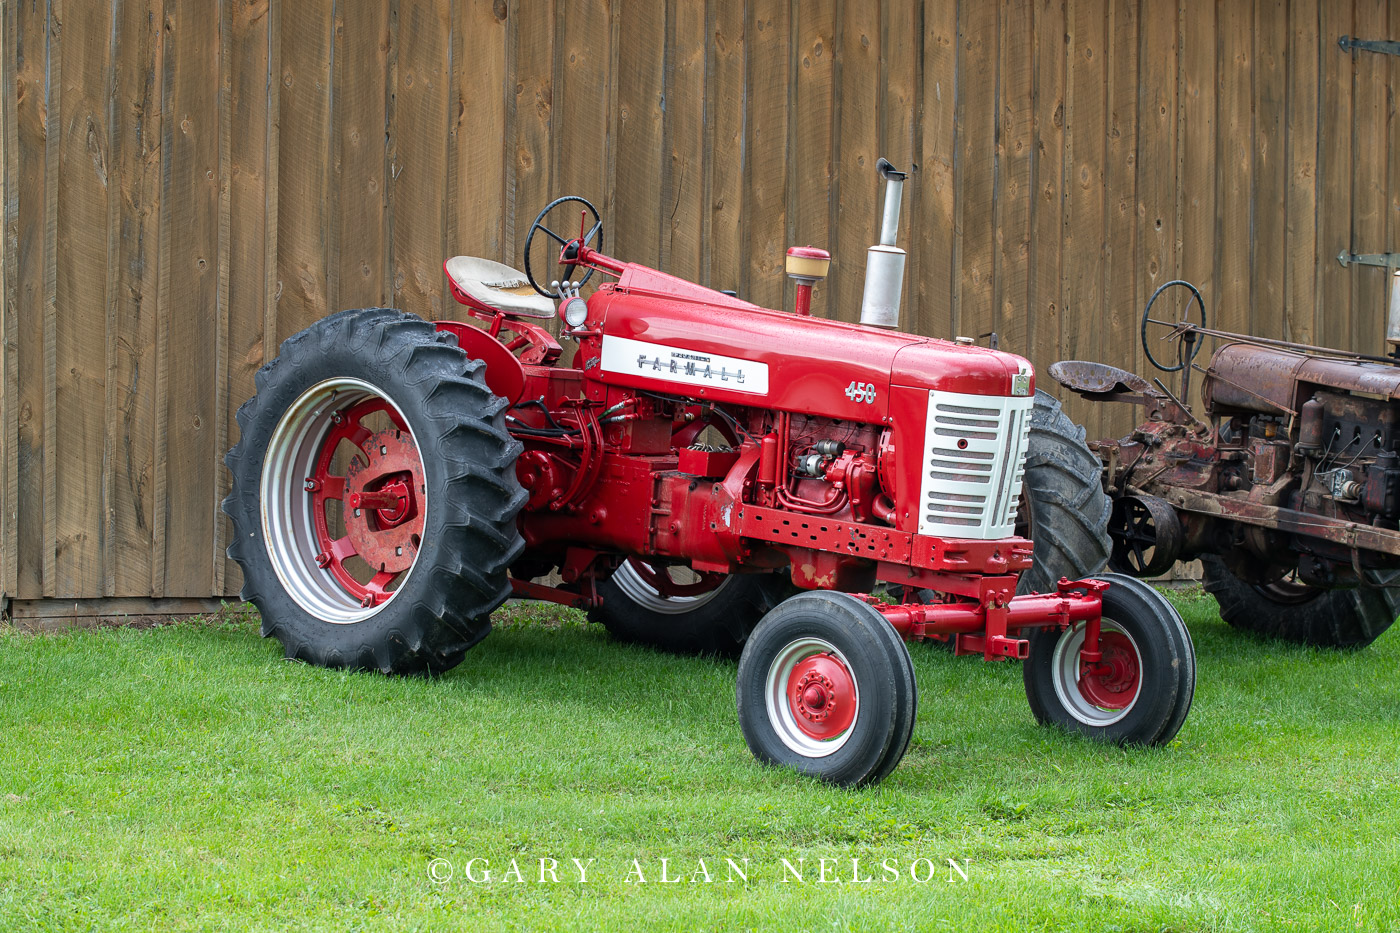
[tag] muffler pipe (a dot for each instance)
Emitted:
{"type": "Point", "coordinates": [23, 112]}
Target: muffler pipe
{"type": "Point", "coordinates": [884, 262]}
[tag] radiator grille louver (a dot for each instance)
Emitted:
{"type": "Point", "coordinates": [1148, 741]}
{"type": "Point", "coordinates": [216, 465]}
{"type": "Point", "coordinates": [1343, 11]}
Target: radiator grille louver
{"type": "Point", "coordinates": [974, 460]}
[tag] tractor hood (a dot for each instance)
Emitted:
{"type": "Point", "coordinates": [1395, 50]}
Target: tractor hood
{"type": "Point", "coordinates": [732, 351]}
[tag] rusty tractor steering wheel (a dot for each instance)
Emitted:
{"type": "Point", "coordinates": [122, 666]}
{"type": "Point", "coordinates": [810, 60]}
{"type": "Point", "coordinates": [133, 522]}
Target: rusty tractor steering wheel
{"type": "Point", "coordinates": [569, 247]}
{"type": "Point", "coordinates": [1192, 340]}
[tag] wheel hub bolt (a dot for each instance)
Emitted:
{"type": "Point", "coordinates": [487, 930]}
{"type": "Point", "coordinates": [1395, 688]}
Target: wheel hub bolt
{"type": "Point", "coordinates": [367, 602]}
{"type": "Point", "coordinates": [312, 485]}
{"type": "Point", "coordinates": [323, 560]}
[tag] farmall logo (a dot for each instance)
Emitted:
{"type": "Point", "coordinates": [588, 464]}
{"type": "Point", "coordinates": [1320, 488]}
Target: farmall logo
{"type": "Point", "coordinates": [625, 356]}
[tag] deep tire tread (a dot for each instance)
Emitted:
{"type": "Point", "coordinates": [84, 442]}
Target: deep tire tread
{"type": "Point", "coordinates": [1070, 510]}
{"type": "Point", "coordinates": [459, 427]}
{"type": "Point", "coordinates": [1340, 618]}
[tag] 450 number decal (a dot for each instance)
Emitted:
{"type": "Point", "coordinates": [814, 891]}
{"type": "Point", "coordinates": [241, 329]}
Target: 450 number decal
{"type": "Point", "coordinates": [861, 392]}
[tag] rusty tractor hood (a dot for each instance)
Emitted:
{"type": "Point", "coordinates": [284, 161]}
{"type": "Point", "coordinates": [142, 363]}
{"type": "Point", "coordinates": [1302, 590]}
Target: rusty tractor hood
{"type": "Point", "coordinates": [1269, 380]}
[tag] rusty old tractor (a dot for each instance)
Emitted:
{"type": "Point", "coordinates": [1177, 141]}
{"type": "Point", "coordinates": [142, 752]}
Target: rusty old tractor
{"type": "Point", "coordinates": [706, 475]}
{"type": "Point", "coordinates": [1287, 489]}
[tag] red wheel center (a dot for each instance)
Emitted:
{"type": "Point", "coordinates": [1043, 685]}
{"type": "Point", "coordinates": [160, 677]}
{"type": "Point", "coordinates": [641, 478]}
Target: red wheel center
{"type": "Point", "coordinates": [822, 695]}
{"type": "Point", "coordinates": [383, 519]}
{"type": "Point", "coordinates": [1113, 682]}
{"type": "Point", "coordinates": [381, 499]}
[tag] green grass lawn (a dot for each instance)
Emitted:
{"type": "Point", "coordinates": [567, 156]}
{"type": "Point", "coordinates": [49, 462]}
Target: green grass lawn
{"type": "Point", "coordinates": [187, 777]}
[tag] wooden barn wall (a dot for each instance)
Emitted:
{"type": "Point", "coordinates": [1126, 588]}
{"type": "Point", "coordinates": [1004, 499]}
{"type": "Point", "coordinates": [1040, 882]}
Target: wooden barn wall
{"type": "Point", "coordinates": [188, 182]}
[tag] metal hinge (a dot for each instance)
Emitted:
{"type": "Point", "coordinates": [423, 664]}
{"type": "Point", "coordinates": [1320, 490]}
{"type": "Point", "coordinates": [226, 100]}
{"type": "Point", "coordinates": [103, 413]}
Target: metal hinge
{"type": "Point", "coordinates": [1384, 46]}
{"type": "Point", "coordinates": [1389, 260]}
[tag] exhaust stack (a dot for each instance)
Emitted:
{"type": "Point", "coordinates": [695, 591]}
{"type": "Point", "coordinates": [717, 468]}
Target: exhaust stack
{"type": "Point", "coordinates": [884, 262]}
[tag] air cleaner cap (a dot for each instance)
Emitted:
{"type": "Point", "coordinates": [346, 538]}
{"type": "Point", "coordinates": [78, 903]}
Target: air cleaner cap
{"type": "Point", "coordinates": [808, 262]}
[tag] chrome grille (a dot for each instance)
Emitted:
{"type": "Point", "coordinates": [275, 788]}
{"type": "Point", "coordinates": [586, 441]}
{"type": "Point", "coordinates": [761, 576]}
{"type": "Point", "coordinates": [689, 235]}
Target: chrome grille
{"type": "Point", "coordinates": [975, 458]}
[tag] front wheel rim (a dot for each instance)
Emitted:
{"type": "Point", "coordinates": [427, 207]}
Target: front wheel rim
{"type": "Point", "coordinates": [299, 493]}
{"type": "Point", "coordinates": [812, 698]}
{"type": "Point", "coordinates": [1106, 694]}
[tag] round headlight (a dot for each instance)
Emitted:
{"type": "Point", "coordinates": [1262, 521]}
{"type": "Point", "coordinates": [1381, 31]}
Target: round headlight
{"type": "Point", "coordinates": [575, 311]}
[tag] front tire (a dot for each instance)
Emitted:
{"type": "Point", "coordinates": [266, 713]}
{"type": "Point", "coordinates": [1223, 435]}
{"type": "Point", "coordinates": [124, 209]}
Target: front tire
{"type": "Point", "coordinates": [825, 686]}
{"type": "Point", "coordinates": [374, 496]}
{"type": "Point", "coordinates": [1144, 690]}
{"type": "Point", "coordinates": [1303, 615]}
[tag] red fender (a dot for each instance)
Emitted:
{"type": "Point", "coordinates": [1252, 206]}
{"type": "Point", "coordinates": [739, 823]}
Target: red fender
{"type": "Point", "coordinates": [505, 376]}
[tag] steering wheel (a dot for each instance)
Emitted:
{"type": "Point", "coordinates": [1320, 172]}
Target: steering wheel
{"type": "Point", "coordinates": [1183, 358]}
{"type": "Point", "coordinates": [568, 246]}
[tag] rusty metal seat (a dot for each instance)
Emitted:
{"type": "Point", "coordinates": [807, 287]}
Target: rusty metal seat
{"type": "Point", "coordinates": [1100, 379]}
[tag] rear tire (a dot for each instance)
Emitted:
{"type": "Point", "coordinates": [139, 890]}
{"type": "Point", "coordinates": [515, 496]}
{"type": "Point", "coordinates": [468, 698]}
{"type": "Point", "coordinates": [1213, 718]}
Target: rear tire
{"type": "Point", "coordinates": [1069, 511]}
{"type": "Point", "coordinates": [825, 686]}
{"type": "Point", "coordinates": [1145, 698]}
{"type": "Point", "coordinates": [1340, 618]}
{"type": "Point", "coordinates": [433, 591]}
{"type": "Point", "coordinates": [715, 622]}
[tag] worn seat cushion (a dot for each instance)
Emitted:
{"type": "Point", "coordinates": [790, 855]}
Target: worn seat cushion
{"type": "Point", "coordinates": [498, 286]}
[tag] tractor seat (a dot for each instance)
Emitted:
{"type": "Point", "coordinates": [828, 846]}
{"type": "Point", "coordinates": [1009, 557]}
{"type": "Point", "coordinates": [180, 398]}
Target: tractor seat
{"type": "Point", "coordinates": [498, 286]}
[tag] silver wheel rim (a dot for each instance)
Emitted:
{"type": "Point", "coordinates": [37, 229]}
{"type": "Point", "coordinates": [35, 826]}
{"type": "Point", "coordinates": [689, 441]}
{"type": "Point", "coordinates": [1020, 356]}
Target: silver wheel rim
{"type": "Point", "coordinates": [1064, 672]}
{"type": "Point", "coordinates": [649, 597]}
{"type": "Point", "coordinates": [288, 523]}
{"type": "Point", "coordinates": [780, 712]}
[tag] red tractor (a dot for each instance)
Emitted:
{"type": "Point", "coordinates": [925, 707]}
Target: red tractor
{"type": "Point", "coordinates": [707, 475]}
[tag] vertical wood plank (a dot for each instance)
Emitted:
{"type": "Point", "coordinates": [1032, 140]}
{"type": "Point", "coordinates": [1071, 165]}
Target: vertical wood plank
{"type": "Point", "coordinates": [768, 74]}
{"type": "Point", "coordinates": [9, 252]}
{"type": "Point", "coordinates": [29, 198]}
{"type": "Point", "coordinates": [1010, 286]}
{"type": "Point", "coordinates": [476, 220]}
{"type": "Point", "coordinates": [1085, 220]}
{"type": "Point", "coordinates": [1368, 195]}
{"type": "Point", "coordinates": [1198, 175]}
{"type": "Point", "coordinates": [80, 302]}
{"type": "Point", "coordinates": [303, 172]}
{"type": "Point", "coordinates": [682, 247]}
{"type": "Point", "coordinates": [855, 223]}
{"type": "Point", "coordinates": [1121, 334]}
{"type": "Point", "coordinates": [1303, 254]}
{"type": "Point", "coordinates": [901, 41]}
{"type": "Point", "coordinates": [812, 173]}
{"type": "Point", "coordinates": [1157, 179]}
{"type": "Point", "coordinates": [1269, 224]}
{"type": "Point", "coordinates": [1334, 157]}
{"type": "Point", "coordinates": [223, 481]}
{"type": "Point", "coordinates": [136, 161]}
{"type": "Point", "coordinates": [977, 151]}
{"type": "Point", "coordinates": [53, 97]}
{"type": "Point", "coordinates": [361, 59]}
{"type": "Point", "coordinates": [420, 180]}
{"type": "Point", "coordinates": [250, 157]}
{"type": "Point", "coordinates": [272, 280]}
{"type": "Point", "coordinates": [725, 158]}
{"type": "Point", "coordinates": [190, 306]}
{"type": "Point", "coordinates": [1047, 183]}
{"type": "Point", "coordinates": [1392, 128]}
{"type": "Point", "coordinates": [636, 229]}
{"type": "Point", "coordinates": [1235, 162]}
{"type": "Point", "coordinates": [934, 235]}
{"type": "Point", "coordinates": [532, 165]}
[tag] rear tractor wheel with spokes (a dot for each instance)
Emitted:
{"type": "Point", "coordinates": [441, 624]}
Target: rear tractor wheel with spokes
{"type": "Point", "coordinates": [374, 496]}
